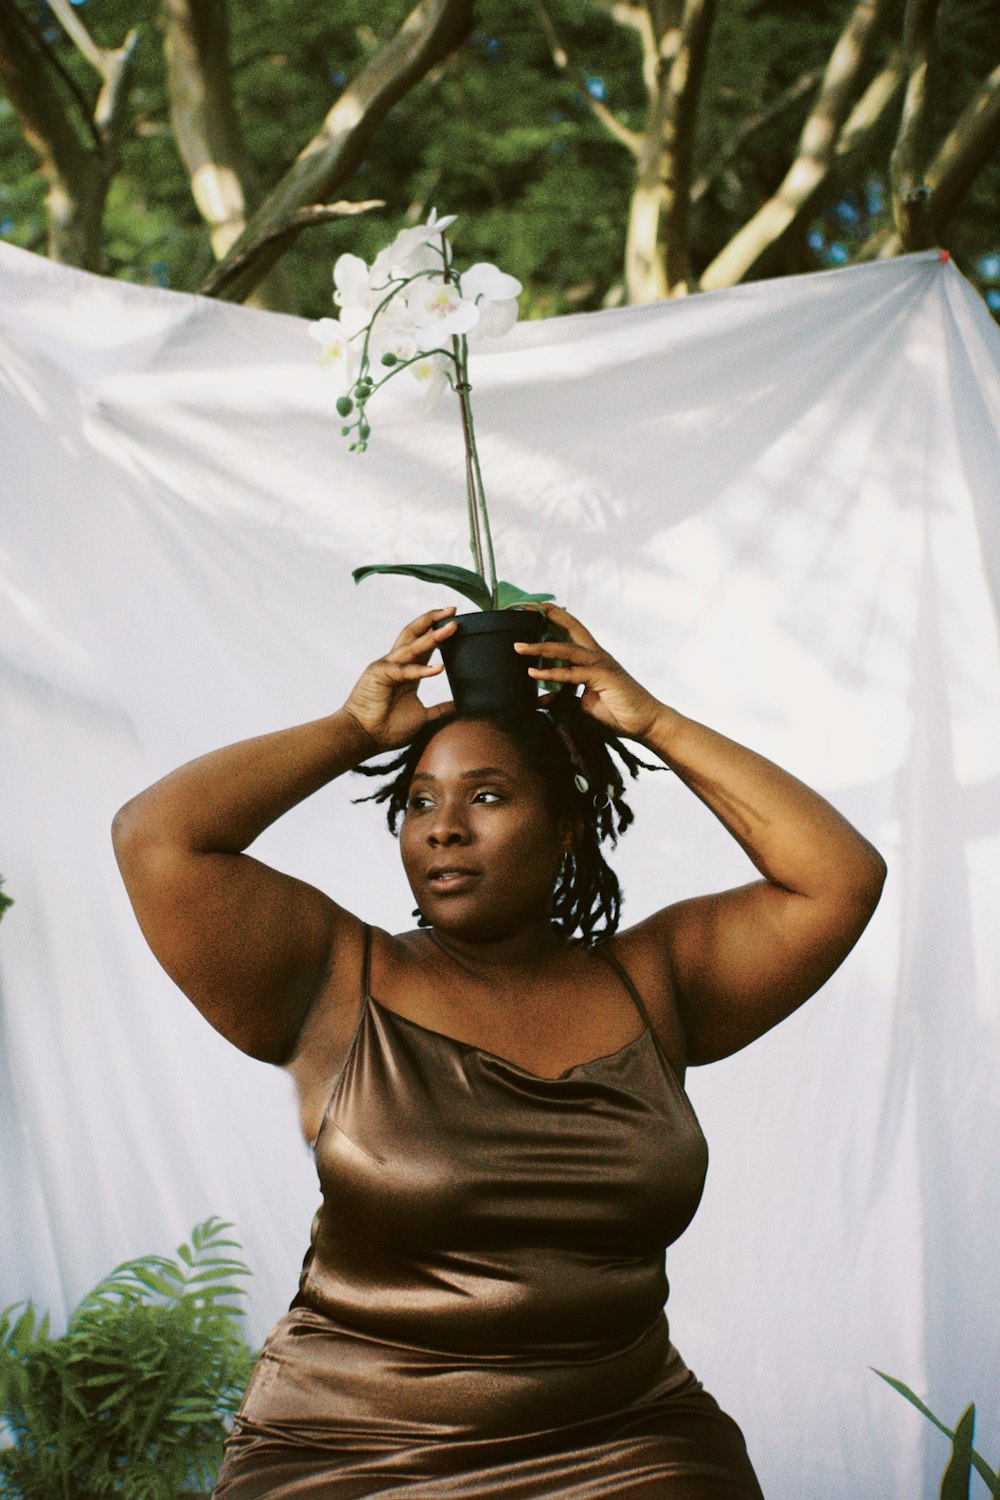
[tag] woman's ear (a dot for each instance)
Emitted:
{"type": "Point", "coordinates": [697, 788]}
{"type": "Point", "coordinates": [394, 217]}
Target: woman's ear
{"type": "Point", "coordinates": [571, 833]}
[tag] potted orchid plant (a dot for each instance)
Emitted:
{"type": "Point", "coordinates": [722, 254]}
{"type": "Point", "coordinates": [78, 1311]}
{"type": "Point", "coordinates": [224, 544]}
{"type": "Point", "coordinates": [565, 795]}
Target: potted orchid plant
{"type": "Point", "coordinates": [412, 311]}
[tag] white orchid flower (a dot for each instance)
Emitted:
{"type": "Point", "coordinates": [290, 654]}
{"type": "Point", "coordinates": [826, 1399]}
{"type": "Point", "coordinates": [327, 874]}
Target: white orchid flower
{"type": "Point", "coordinates": [439, 311]}
{"type": "Point", "coordinates": [410, 251]}
{"type": "Point", "coordinates": [432, 373]}
{"type": "Point", "coordinates": [352, 280]}
{"type": "Point", "coordinates": [495, 319]}
{"type": "Point", "coordinates": [389, 337]}
{"type": "Point", "coordinates": [339, 346]}
{"type": "Point", "coordinates": [495, 294]}
{"type": "Point", "coordinates": [408, 254]}
{"type": "Point", "coordinates": [485, 280]}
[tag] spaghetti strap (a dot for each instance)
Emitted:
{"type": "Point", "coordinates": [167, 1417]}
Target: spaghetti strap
{"type": "Point", "coordinates": [366, 964]}
{"type": "Point", "coordinates": [626, 980]}
{"type": "Point", "coordinates": [623, 975]}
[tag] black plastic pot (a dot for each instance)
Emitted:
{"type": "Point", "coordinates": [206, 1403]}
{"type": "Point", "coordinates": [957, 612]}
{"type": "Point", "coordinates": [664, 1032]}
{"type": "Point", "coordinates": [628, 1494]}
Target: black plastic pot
{"type": "Point", "coordinates": [485, 673]}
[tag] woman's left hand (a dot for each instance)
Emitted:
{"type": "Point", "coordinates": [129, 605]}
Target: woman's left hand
{"type": "Point", "coordinates": [609, 693]}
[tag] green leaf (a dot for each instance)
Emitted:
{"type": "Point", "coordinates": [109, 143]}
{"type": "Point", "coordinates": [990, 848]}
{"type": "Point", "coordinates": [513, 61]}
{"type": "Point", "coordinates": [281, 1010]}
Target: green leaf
{"type": "Point", "coordinates": [470, 585]}
{"type": "Point", "coordinates": [156, 1283]}
{"type": "Point", "coordinates": [23, 1331]}
{"type": "Point", "coordinates": [509, 596]}
{"type": "Point", "coordinates": [958, 1474]}
{"type": "Point", "coordinates": [982, 1468]}
{"type": "Point", "coordinates": [904, 1390]}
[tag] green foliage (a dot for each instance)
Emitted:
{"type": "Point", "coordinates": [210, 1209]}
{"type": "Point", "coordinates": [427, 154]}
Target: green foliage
{"type": "Point", "coordinates": [5, 901]}
{"type": "Point", "coordinates": [964, 1458]}
{"type": "Point", "coordinates": [470, 585]}
{"type": "Point", "coordinates": [133, 1398]}
{"type": "Point", "coordinates": [498, 135]}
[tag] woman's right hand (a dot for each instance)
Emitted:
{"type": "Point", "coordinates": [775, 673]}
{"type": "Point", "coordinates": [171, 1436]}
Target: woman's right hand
{"type": "Point", "coordinates": [384, 701]}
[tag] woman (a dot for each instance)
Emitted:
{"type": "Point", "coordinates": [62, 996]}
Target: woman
{"type": "Point", "coordinates": [503, 1142]}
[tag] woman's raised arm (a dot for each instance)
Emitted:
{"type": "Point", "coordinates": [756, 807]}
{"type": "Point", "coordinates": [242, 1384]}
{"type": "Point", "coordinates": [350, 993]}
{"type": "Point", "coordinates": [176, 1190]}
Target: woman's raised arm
{"type": "Point", "coordinates": [248, 945]}
{"type": "Point", "coordinates": [740, 960]}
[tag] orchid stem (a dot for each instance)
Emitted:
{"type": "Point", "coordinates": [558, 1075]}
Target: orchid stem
{"type": "Point", "coordinates": [479, 522]}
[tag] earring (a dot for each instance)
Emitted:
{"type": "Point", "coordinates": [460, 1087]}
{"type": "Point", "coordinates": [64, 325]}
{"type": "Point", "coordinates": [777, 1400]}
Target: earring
{"type": "Point", "coordinates": [603, 799]}
{"type": "Point", "coordinates": [563, 862]}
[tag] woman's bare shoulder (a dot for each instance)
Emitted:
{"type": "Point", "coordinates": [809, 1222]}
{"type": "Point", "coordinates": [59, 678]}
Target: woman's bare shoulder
{"type": "Point", "coordinates": [325, 1036]}
{"type": "Point", "coordinates": [646, 961]}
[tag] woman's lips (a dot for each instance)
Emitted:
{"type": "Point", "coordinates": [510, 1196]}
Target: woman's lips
{"type": "Point", "coordinates": [447, 881]}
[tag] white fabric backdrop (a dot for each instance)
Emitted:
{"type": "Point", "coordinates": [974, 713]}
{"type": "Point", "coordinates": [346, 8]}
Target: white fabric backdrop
{"type": "Point", "coordinates": [778, 505]}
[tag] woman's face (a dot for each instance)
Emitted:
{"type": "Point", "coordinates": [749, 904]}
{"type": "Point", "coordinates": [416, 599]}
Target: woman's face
{"type": "Point", "coordinates": [480, 846]}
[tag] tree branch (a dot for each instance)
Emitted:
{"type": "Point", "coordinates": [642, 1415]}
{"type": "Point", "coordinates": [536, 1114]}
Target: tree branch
{"type": "Point", "coordinates": [816, 150]}
{"type": "Point", "coordinates": [872, 105]}
{"type": "Point", "coordinates": [281, 235]}
{"type": "Point", "coordinates": [630, 139]}
{"type": "Point", "coordinates": [658, 25]}
{"type": "Point", "coordinates": [748, 128]}
{"type": "Point", "coordinates": [113, 64]}
{"type": "Point", "coordinates": [968, 146]}
{"type": "Point", "coordinates": [683, 98]}
{"type": "Point", "coordinates": [78, 174]}
{"type": "Point", "coordinates": [207, 130]}
{"type": "Point", "coordinates": [203, 116]}
{"type": "Point", "coordinates": [972, 141]}
{"type": "Point", "coordinates": [431, 30]}
{"type": "Point", "coordinates": [909, 155]}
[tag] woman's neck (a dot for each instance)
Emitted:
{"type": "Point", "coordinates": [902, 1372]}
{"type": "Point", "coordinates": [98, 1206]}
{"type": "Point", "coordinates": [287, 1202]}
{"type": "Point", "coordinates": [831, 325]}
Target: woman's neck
{"type": "Point", "coordinates": [526, 950]}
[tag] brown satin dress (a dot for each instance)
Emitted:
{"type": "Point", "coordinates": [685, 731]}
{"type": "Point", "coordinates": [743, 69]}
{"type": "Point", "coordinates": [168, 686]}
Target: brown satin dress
{"type": "Point", "coordinates": [480, 1312]}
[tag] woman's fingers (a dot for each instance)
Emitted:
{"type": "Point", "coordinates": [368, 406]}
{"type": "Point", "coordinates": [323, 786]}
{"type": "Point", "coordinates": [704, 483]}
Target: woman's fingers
{"type": "Point", "coordinates": [559, 674]}
{"type": "Point", "coordinates": [409, 671]}
{"type": "Point", "coordinates": [560, 650]}
{"type": "Point", "coordinates": [439, 710]}
{"type": "Point", "coordinates": [578, 632]}
{"type": "Point", "coordinates": [423, 625]}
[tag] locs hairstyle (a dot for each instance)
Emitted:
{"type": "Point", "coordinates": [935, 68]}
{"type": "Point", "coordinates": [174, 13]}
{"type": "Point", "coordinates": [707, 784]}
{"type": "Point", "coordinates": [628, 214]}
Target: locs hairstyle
{"type": "Point", "coordinates": [572, 753]}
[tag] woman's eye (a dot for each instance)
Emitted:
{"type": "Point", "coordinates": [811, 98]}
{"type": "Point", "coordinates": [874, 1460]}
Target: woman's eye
{"type": "Point", "coordinates": [492, 796]}
{"type": "Point", "coordinates": [418, 801]}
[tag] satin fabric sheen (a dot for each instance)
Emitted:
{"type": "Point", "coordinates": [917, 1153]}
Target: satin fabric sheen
{"type": "Point", "coordinates": [480, 1311]}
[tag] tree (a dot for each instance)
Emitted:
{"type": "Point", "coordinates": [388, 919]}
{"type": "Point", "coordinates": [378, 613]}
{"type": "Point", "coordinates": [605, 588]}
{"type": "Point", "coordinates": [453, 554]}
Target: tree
{"type": "Point", "coordinates": [77, 146]}
{"type": "Point", "coordinates": [886, 67]}
{"type": "Point", "coordinates": [600, 150]}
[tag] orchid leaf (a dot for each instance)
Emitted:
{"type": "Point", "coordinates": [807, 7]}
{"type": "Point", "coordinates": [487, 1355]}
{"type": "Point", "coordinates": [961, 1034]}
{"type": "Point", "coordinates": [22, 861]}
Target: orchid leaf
{"type": "Point", "coordinates": [914, 1400]}
{"type": "Point", "coordinates": [509, 596]}
{"type": "Point", "coordinates": [958, 1475]}
{"type": "Point", "coordinates": [982, 1468]}
{"type": "Point", "coordinates": [462, 580]}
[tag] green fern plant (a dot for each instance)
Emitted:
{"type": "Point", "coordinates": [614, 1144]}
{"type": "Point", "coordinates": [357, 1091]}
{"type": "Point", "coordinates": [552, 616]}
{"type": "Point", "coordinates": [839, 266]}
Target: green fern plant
{"type": "Point", "coordinates": [134, 1398]}
{"type": "Point", "coordinates": [957, 1478]}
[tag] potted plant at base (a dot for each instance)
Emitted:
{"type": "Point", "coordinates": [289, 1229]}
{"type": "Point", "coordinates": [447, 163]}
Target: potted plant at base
{"type": "Point", "coordinates": [412, 310]}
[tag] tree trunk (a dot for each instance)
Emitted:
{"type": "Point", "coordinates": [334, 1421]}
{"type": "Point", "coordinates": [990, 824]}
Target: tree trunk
{"type": "Point", "coordinates": [75, 199]}
{"type": "Point", "coordinates": [77, 153]}
{"type": "Point", "coordinates": [679, 130]}
{"type": "Point", "coordinates": [909, 156]}
{"type": "Point", "coordinates": [658, 23]}
{"type": "Point", "coordinates": [817, 149]}
{"type": "Point", "coordinates": [972, 141]}
{"type": "Point", "coordinates": [432, 30]}
{"type": "Point", "coordinates": [208, 134]}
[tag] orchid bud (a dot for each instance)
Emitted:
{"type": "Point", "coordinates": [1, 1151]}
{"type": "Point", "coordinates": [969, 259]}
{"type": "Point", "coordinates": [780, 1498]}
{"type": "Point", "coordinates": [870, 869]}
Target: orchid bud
{"type": "Point", "coordinates": [345, 405]}
{"type": "Point", "coordinates": [390, 359]}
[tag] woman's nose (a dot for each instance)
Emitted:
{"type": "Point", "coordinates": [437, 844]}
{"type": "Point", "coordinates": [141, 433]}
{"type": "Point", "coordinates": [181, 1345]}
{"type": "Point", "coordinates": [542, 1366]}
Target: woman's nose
{"type": "Point", "coordinates": [447, 827]}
